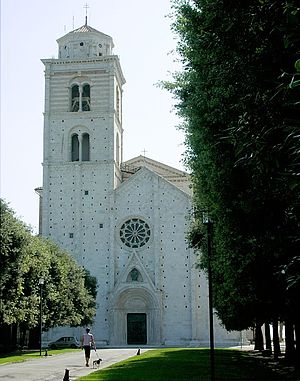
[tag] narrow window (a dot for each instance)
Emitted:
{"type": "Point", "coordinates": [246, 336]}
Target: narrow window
{"type": "Point", "coordinates": [75, 148]}
{"type": "Point", "coordinates": [86, 97]}
{"type": "Point", "coordinates": [117, 149]}
{"type": "Point", "coordinates": [85, 147]}
{"type": "Point", "coordinates": [118, 101]}
{"type": "Point", "coordinates": [75, 98]}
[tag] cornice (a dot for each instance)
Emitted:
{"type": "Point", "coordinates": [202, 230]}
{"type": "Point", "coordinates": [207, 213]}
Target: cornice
{"type": "Point", "coordinates": [113, 59]}
{"type": "Point", "coordinates": [58, 61]}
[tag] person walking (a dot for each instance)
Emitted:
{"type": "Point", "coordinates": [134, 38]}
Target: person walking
{"type": "Point", "coordinates": [87, 342]}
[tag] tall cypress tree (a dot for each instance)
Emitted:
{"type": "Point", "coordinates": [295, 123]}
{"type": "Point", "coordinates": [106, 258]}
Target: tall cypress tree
{"type": "Point", "coordinates": [241, 117]}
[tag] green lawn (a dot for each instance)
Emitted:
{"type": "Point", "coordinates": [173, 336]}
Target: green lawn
{"type": "Point", "coordinates": [175, 364]}
{"type": "Point", "coordinates": [186, 364]}
{"type": "Point", "coordinates": [20, 356]}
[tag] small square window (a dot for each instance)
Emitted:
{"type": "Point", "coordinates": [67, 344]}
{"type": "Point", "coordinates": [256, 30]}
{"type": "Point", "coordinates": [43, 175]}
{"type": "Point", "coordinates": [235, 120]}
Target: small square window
{"type": "Point", "coordinates": [100, 226]}
{"type": "Point", "coordinates": [86, 192]}
{"type": "Point", "coordinates": [71, 235]}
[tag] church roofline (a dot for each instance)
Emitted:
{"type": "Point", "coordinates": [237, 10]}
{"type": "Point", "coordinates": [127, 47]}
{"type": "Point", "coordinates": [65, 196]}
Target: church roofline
{"type": "Point", "coordinates": [140, 171]}
{"type": "Point", "coordinates": [155, 163]}
{"type": "Point", "coordinates": [85, 28]}
{"type": "Point", "coordinates": [82, 29]}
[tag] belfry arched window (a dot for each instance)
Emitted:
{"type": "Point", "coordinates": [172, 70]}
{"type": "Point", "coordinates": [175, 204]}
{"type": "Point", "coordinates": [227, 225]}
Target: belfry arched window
{"type": "Point", "coordinates": [75, 98]}
{"type": "Point", "coordinates": [85, 146]}
{"type": "Point", "coordinates": [80, 147]}
{"type": "Point", "coordinates": [74, 148]}
{"type": "Point", "coordinates": [86, 97]}
{"type": "Point", "coordinates": [80, 97]}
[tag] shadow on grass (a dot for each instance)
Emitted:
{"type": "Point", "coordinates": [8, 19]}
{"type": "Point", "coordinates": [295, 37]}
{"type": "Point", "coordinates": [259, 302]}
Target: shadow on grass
{"type": "Point", "coordinates": [20, 356]}
{"type": "Point", "coordinates": [177, 364]}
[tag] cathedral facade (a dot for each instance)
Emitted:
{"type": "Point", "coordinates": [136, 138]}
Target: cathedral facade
{"type": "Point", "coordinates": [126, 222]}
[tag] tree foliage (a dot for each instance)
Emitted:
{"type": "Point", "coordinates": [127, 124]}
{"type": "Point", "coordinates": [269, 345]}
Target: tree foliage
{"type": "Point", "coordinates": [239, 101]}
{"type": "Point", "coordinates": [69, 291]}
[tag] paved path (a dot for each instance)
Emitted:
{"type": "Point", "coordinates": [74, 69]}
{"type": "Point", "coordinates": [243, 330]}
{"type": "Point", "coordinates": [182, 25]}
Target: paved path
{"type": "Point", "coordinates": [52, 368]}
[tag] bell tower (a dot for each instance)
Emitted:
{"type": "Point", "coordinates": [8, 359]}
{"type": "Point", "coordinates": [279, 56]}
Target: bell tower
{"type": "Point", "coordinates": [83, 139]}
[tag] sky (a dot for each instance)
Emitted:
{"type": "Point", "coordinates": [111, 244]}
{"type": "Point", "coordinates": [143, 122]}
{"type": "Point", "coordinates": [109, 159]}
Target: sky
{"type": "Point", "coordinates": [146, 47]}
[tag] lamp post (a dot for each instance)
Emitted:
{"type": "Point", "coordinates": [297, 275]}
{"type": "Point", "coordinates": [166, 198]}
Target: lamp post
{"type": "Point", "coordinates": [209, 224]}
{"type": "Point", "coordinates": [41, 282]}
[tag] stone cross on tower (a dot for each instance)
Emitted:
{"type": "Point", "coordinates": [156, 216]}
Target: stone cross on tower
{"type": "Point", "coordinates": [86, 6]}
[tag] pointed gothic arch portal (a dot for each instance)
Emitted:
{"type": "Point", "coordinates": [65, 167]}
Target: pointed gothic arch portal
{"type": "Point", "coordinates": [135, 317]}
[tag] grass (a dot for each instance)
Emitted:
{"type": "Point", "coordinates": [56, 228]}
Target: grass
{"type": "Point", "coordinates": [178, 364]}
{"type": "Point", "coordinates": [20, 356]}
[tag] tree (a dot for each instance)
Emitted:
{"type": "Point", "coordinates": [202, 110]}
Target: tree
{"type": "Point", "coordinates": [69, 291]}
{"type": "Point", "coordinates": [15, 238]}
{"type": "Point", "coordinates": [241, 120]}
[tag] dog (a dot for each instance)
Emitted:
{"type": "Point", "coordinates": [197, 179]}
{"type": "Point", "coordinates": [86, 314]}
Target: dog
{"type": "Point", "coordinates": [96, 363]}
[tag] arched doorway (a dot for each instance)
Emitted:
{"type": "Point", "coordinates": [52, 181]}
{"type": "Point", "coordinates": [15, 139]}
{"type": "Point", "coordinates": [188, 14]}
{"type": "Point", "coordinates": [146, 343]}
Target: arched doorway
{"type": "Point", "coordinates": [135, 317]}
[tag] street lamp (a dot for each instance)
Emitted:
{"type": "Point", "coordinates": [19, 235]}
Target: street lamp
{"type": "Point", "coordinates": [41, 282]}
{"type": "Point", "coordinates": [208, 222]}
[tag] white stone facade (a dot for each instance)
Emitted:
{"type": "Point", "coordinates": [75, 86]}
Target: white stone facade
{"type": "Point", "coordinates": [125, 222]}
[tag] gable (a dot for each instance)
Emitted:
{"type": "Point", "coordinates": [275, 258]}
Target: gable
{"type": "Point", "coordinates": [126, 278]}
{"type": "Point", "coordinates": [144, 178]}
{"type": "Point", "coordinates": [178, 178]}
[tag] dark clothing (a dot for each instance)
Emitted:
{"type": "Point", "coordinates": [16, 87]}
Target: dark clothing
{"type": "Point", "coordinates": [87, 351]}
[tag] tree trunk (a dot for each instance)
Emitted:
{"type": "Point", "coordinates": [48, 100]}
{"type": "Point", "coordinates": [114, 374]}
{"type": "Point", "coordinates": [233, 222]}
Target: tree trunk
{"type": "Point", "coordinates": [7, 338]}
{"type": "Point", "coordinates": [34, 337]}
{"type": "Point", "coordinates": [289, 342]}
{"type": "Point", "coordinates": [259, 341]}
{"type": "Point", "coordinates": [276, 344]}
{"type": "Point", "coordinates": [297, 355]}
{"type": "Point", "coordinates": [268, 336]}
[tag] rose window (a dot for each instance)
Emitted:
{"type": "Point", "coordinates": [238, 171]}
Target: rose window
{"type": "Point", "coordinates": [135, 233]}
